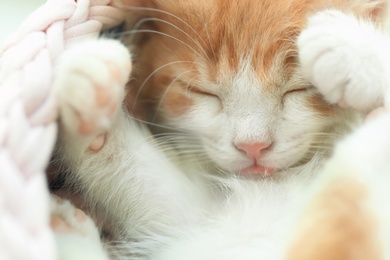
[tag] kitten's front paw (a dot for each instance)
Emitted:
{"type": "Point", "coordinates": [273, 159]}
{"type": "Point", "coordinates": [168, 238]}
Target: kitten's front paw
{"type": "Point", "coordinates": [90, 80]}
{"type": "Point", "coordinates": [342, 57]}
{"type": "Point", "coordinates": [76, 234]}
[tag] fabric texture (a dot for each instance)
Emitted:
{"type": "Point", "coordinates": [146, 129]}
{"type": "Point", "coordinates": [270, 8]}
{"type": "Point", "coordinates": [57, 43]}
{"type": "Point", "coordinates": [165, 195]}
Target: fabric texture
{"type": "Point", "coordinates": [28, 115]}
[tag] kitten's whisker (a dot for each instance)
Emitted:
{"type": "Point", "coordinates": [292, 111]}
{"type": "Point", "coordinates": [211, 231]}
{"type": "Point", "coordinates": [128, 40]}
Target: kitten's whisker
{"type": "Point", "coordinates": [188, 85]}
{"type": "Point", "coordinates": [166, 147]}
{"type": "Point", "coordinates": [191, 151]}
{"type": "Point", "coordinates": [176, 135]}
{"type": "Point", "coordinates": [167, 90]}
{"type": "Point", "coordinates": [180, 142]}
{"type": "Point", "coordinates": [187, 88]}
{"type": "Point", "coordinates": [321, 147]}
{"type": "Point", "coordinates": [209, 39]}
{"type": "Point", "coordinates": [322, 133]}
{"type": "Point", "coordinates": [161, 33]}
{"type": "Point", "coordinates": [174, 26]}
{"type": "Point", "coordinates": [316, 148]}
{"type": "Point", "coordinates": [167, 13]}
{"type": "Point", "coordinates": [152, 74]}
{"type": "Point", "coordinates": [171, 140]}
{"type": "Point", "coordinates": [151, 123]}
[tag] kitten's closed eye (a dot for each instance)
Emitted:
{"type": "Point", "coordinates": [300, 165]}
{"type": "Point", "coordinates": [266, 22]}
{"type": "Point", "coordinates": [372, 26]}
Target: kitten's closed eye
{"type": "Point", "coordinates": [299, 90]}
{"type": "Point", "coordinates": [193, 89]}
{"type": "Point", "coordinates": [198, 91]}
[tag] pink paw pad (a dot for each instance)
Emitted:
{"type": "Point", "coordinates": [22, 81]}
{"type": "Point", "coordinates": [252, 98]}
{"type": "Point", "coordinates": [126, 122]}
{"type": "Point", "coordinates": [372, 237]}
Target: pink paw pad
{"type": "Point", "coordinates": [103, 97]}
{"type": "Point", "coordinates": [98, 143]}
{"type": "Point", "coordinates": [60, 226]}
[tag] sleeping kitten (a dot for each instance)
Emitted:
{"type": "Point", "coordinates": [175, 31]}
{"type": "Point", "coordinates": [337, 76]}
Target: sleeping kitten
{"type": "Point", "coordinates": [224, 75]}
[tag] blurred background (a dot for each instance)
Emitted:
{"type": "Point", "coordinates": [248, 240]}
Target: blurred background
{"type": "Point", "coordinates": [12, 13]}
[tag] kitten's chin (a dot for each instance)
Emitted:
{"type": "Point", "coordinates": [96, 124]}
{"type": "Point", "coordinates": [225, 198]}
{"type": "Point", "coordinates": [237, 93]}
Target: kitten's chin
{"type": "Point", "coordinates": [258, 170]}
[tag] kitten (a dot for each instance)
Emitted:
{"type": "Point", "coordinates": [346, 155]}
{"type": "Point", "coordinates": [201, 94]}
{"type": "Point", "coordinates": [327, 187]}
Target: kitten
{"type": "Point", "coordinates": [225, 75]}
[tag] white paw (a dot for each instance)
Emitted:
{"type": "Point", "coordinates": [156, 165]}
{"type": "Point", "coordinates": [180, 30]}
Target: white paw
{"type": "Point", "coordinates": [343, 57]}
{"type": "Point", "coordinates": [90, 80]}
{"type": "Point", "coordinates": [76, 234]}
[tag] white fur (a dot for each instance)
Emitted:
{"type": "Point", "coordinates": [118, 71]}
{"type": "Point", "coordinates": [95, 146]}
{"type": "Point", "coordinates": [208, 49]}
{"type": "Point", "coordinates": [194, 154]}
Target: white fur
{"type": "Point", "coordinates": [163, 210]}
{"type": "Point", "coordinates": [130, 178]}
{"type": "Point", "coordinates": [369, 149]}
{"type": "Point", "coordinates": [363, 156]}
{"type": "Point", "coordinates": [249, 113]}
{"type": "Point", "coordinates": [346, 59]}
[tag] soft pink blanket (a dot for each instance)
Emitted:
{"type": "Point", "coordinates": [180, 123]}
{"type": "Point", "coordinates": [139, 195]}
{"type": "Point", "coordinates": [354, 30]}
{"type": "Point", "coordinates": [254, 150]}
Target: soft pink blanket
{"type": "Point", "coordinates": [28, 113]}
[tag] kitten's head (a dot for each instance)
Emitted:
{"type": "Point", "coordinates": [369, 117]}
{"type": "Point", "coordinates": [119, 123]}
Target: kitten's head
{"type": "Point", "coordinates": [225, 72]}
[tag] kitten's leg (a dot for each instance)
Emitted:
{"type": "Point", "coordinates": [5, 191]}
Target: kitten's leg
{"type": "Point", "coordinates": [90, 82]}
{"type": "Point", "coordinates": [124, 173]}
{"type": "Point", "coordinates": [346, 59]}
{"type": "Point", "coordinates": [348, 214]}
{"type": "Point", "coordinates": [76, 234]}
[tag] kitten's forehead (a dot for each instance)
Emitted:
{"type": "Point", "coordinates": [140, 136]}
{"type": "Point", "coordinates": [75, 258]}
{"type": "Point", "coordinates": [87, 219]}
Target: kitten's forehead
{"type": "Point", "coordinates": [227, 32]}
{"type": "Point", "coordinates": [215, 37]}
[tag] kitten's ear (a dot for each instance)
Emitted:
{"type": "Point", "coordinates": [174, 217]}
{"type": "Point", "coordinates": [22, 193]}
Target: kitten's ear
{"type": "Point", "coordinates": [377, 10]}
{"type": "Point", "coordinates": [135, 11]}
{"type": "Point", "coordinates": [133, 3]}
{"type": "Point", "coordinates": [137, 8]}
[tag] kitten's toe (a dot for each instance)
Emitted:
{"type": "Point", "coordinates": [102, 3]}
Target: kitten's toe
{"type": "Point", "coordinates": [76, 234]}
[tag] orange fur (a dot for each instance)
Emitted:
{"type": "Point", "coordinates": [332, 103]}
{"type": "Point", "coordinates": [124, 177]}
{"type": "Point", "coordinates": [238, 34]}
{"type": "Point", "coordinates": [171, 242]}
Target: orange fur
{"type": "Point", "coordinates": [338, 226]}
{"type": "Point", "coordinates": [212, 38]}
{"type": "Point", "coordinates": [206, 42]}
{"type": "Point", "coordinates": [317, 102]}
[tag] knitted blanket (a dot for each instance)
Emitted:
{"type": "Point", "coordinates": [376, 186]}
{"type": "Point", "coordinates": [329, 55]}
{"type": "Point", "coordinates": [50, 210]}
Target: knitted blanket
{"type": "Point", "coordinates": [28, 114]}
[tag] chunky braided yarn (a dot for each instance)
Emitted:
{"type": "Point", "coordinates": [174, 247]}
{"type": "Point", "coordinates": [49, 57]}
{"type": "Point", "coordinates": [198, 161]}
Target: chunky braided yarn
{"type": "Point", "coordinates": [28, 113]}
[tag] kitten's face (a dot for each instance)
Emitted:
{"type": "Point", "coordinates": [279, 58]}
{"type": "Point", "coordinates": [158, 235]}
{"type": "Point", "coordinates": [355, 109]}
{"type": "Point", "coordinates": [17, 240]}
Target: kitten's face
{"type": "Point", "coordinates": [225, 72]}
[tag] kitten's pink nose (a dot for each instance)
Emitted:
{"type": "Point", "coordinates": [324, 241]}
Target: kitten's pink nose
{"type": "Point", "coordinates": [253, 150]}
